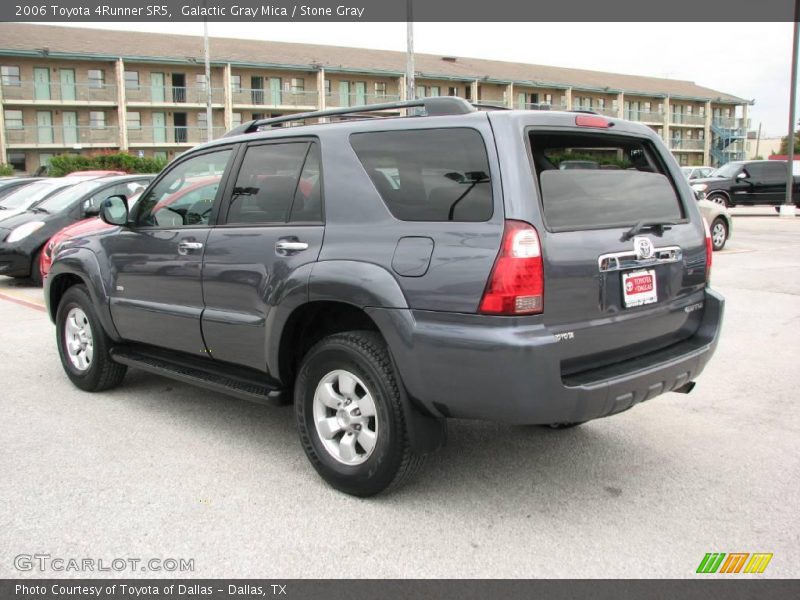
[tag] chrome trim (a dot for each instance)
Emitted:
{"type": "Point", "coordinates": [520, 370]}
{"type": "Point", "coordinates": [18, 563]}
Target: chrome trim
{"type": "Point", "coordinates": [621, 261]}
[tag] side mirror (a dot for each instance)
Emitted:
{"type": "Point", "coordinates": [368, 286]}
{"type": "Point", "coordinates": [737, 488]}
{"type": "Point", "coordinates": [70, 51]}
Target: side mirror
{"type": "Point", "coordinates": [114, 210]}
{"type": "Point", "coordinates": [742, 175]}
{"type": "Point", "coordinates": [89, 210]}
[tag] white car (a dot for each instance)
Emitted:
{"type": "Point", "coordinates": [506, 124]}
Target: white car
{"type": "Point", "coordinates": [27, 196]}
{"type": "Point", "coordinates": [697, 172]}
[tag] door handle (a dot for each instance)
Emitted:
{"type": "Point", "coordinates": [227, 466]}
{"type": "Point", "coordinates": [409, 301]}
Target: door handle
{"type": "Point", "coordinates": [290, 245]}
{"type": "Point", "coordinates": [186, 247]}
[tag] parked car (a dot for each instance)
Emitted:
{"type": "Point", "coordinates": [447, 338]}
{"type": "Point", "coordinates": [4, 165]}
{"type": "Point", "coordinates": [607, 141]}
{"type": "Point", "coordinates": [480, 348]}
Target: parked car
{"type": "Point", "coordinates": [95, 173]}
{"type": "Point", "coordinates": [388, 274]}
{"type": "Point", "coordinates": [20, 200]}
{"type": "Point", "coordinates": [748, 183]}
{"type": "Point", "coordinates": [10, 184]}
{"type": "Point", "coordinates": [23, 236]}
{"type": "Point", "coordinates": [693, 173]}
{"type": "Point", "coordinates": [719, 221]}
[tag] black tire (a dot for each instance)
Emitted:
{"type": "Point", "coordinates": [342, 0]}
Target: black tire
{"type": "Point", "coordinates": [719, 199]}
{"type": "Point", "coordinates": [36, 273]}
{"type": "Point", "coordinates": [391, 462]}
{"type": "Point", "coordinates": [717, 223]}
{"type": "Point", "coordinates": [102, 373]}
{"type": "Point", "coordinates": [559, 426]}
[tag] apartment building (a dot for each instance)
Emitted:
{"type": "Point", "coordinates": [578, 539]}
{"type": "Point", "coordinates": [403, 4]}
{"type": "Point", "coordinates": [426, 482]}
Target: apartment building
{"type": "Point", "coordinates": [88, 90]}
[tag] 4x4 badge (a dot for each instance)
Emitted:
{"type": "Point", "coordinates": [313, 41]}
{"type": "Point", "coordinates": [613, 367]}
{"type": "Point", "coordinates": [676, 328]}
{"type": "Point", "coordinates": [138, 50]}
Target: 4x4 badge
{"type": "Point", "coordinates": [643, 247]}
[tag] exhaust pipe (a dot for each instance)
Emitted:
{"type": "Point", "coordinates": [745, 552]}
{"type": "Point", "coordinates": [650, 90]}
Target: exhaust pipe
{"type": "Point", "coordinates": [685, 388]}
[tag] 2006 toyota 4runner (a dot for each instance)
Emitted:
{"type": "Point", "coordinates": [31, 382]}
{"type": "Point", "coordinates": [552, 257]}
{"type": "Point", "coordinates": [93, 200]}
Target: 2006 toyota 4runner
{"type": "Point", "coordinates": [388, 274]}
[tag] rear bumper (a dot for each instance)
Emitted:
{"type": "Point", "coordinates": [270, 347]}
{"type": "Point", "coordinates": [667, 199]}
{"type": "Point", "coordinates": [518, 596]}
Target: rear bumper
{"type": "Point", "coordinates": [511, 373]}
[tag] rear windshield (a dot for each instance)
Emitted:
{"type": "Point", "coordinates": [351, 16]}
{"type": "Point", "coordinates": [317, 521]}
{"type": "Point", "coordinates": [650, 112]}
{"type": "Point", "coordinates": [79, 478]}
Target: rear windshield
{"type": "Point", "coordinates": [596, 181]}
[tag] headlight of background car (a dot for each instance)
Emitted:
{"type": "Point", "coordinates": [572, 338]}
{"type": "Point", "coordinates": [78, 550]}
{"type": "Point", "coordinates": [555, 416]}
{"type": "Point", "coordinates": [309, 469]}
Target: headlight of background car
{"type": "Point", "coordinates": [700, 187]}
{"type": "Point", "coordinates": [24, 231]}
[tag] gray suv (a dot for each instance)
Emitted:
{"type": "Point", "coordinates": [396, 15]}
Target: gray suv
{"type": "Point", "coordinates": [386, 274]}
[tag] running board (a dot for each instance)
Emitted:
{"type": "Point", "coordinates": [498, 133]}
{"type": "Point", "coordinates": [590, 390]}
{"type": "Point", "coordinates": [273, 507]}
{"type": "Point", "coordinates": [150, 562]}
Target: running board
{"type": "Point", "coordinates": [241, 383]}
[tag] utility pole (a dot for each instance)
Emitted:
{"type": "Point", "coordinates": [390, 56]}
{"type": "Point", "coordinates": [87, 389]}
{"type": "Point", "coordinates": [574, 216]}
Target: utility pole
{"type": "Point", "coordinates": [787, 208]}
{"type": "Point", "coordinates": [758, 139]}
{"type": "Point", "coordinates": [410, 87]}
{"type": "Point", "coordinates": [209, 112]}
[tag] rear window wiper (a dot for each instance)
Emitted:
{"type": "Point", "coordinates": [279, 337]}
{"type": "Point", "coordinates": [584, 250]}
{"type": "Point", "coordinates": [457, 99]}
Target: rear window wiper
{"type": "Point", "coordinates": [40, 210]}
{"type": "Point", "coordinates": [657, 228]}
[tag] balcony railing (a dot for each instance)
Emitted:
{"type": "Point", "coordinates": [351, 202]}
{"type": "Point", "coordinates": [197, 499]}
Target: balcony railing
{"type": "Point", "coordinates": [169, 94]}
{"type": "Point", "coordinates": [60, 93]}
{"type": "Point", "coordinates": [644, 116]}
{"type": "Point", "coordinates": [335, 100]}
{"type": "Point", "coordinates": [170, 135]}
{"type": "Point", "coordinates": [687, 144]}
{"type": "Point", "coordinates": [50, 135]}
{"type": "Point", "coordinates": [684, 119]}
{"type": "Point", "coordinates": [729, 122]}
{"type": "Point", "coordinates": [267, 97]}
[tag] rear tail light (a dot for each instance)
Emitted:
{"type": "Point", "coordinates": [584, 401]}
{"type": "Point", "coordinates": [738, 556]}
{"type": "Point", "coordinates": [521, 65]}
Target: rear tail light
{"type": "Point", "coordinates": [709, 250]}
{"type": "Point", "coordinates": [516, 285]}
{"type": "Point", "coordinates": [592, 121]}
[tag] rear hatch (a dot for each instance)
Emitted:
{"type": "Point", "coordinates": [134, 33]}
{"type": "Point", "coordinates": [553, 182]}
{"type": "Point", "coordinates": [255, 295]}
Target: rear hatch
{"type": "Point", "coordinates": [624, 251]}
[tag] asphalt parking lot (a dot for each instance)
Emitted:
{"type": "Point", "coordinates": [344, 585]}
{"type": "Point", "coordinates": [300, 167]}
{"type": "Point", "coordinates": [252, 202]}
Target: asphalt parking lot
{"type": "Point", "coordinates": [160, 469]}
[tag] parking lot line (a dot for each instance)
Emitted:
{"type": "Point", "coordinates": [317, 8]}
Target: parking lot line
{"type": "Point", "coordinates": [22, 301]}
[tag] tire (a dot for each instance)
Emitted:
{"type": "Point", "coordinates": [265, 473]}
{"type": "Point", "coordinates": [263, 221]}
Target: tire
{"type": "Point", "coordinates": [36, 272]}
{"type": "Point", "coordinates": [560, 426]}
{"type": "Point", "coordinates": [720, 199]}
{"type": "Point", "coordinates": [89, 366]}
{"type": "Point", "coordinates": [341, 372]}
{"type": "Point", "coordinates": [719, 233]}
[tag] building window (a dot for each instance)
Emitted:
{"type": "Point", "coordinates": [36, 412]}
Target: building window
{"type": "Point", "coordinates": [10, 76]}
{"type": "Point", "coordinates": [131, 80]}
{"type": "Point", "coordinates": [97, 78]}
{"type": "Point", "coordinates": [327, 87]}
{"type": "Point", "coordinates": [14, 119]}
{"type": "Point", "coordinates": [236, 119]}
{"type": "Point", "coordinates": [97, 119]}
{"type": "Point", "coordinates": [134, 120]}
{"type": "Point", "coordinates": [380, 88]}
{"type": "Point", "coordinates": [468, 92]}
{"type": "Point", "coordinates": [298, 85]}
{"type": "Point", "coordinates": [452, 91]}
{"type": "Point", "coordinates": [601, 103]}
{"type": "Point", "coordinates": [160, 155]}
{"type": "Point", "coordinates": [548, 98]}
{"type": "Point", "coordinates": [200, 81]}
{"type": "Point", "coordinates": [236, 83]}
{"type": "Point", "coordinates": [202, 120]}
{"type": "Point", "coordinates": [17, 160]}
{"type": "Point", "coordinates": [435, 91]}
{"type": "Point", "coordinates": [420, 91]}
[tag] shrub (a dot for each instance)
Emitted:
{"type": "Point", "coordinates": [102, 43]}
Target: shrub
{"type": "Point", "coordinates": [6, 170]}
{"type": "Point", "coordinates": [64, 164]}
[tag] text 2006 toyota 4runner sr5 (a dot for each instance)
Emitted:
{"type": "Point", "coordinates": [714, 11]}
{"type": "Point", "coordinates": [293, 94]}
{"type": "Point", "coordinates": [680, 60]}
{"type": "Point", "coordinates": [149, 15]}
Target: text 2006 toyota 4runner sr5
{"type": "Point", "coordinates": [388, 274]}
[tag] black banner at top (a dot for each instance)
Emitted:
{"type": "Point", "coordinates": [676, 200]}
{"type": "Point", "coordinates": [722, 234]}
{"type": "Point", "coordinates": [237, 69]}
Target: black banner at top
{"type": "Point", "coordinates": [397, 10]}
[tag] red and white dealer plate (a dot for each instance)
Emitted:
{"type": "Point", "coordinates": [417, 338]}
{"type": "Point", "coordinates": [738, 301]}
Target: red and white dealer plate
{"type": "Point", "coordinates": [639, 287]}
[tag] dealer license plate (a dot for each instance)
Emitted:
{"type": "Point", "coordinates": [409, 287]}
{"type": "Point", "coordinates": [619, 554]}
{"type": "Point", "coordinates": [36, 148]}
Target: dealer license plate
{"type": "Point", "coordinates": [639, 287]}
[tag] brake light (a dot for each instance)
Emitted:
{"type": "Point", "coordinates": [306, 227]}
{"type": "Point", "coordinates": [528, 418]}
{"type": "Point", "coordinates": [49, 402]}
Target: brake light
{"type": "Point", "coordinates": [516, 285]}
{"type": "Point", "coordinates": [709, 250]}
{"type": "Point", "coordinates": [591, 121]}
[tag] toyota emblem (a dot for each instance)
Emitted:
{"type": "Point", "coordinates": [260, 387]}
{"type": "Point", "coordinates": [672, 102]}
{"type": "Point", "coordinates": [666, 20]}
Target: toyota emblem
{"type": "Point", "coordinates": [643, 247]}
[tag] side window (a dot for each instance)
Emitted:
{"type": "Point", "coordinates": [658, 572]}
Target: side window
{"type": "Point", "coordinates": [775, 171]}
{"type": "Point", "coordinates": [127, 189]}
{"type": "Point", "coordinates": [754, 171]}
{"type": "Point", "coordinates": [307, 204]}
{"type": "Point", "coordinates": [185, 196]}
{"type": "Point", "coordinates": [267, 183]}
{"type": "Point", "coordinates": [429, 174]}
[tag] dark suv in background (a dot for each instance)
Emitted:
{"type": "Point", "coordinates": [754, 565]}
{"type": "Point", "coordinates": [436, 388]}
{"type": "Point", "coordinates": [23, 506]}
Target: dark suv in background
{"type": "Point", "coordinates": [388, 274]}
{"type": "Point", "coordinates": [748, 183]}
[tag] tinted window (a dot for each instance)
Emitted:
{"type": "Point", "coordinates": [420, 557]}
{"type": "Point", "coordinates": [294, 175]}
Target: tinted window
{"type": "Point", "coordinates": [267, 183]}
{"type": "Point", "coordinates": [429, 174]}
{"type": "Point", "coordinates": [754, 171]}
{"type": "Point", "coordinates": [775, 171]}
{"type": "Point", "coordinates": [185, 195]}
{"type": "Point", "coordinates": [630, 186]}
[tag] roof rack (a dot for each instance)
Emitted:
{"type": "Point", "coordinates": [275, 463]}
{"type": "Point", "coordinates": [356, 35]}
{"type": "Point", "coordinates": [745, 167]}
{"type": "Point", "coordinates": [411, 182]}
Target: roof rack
{"type": "Point", "coordinates": [434, 107]}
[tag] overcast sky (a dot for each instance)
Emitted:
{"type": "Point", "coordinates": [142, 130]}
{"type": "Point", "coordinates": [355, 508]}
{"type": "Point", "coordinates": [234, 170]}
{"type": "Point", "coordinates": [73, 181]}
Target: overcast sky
{"type": "Point", "coordinates": [749, 60]}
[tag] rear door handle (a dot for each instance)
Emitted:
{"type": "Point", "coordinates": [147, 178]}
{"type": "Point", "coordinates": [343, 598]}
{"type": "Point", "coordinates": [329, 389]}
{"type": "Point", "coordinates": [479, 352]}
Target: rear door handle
{"type": "Point", "coordinates": [186, 247]}
{"type": "Point", "coordinates": [290, 246]}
